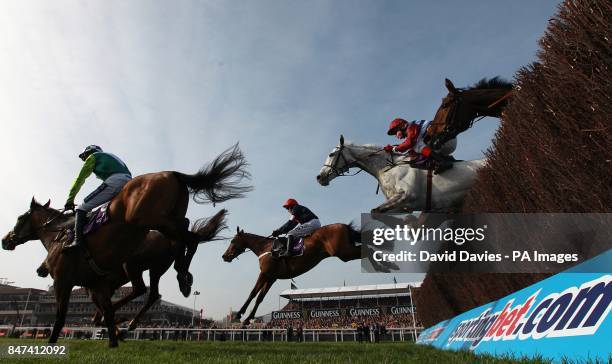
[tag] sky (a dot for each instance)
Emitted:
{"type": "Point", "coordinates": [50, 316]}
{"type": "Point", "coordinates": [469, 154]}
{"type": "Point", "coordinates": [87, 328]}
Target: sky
{"type": "Point", "coordinates": [169, 85]}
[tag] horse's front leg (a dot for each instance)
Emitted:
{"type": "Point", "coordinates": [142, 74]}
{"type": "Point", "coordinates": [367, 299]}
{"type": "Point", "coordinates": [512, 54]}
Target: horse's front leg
{"type": "Point", "coordinates": [258, 285]}
{"type": "Point", "coordinates": [400, 202]}
{"type": "Point", "coordinates": [262, 293]}
{"type": "Point", "coordinates": [96, 320]}
{"type": "Point", "coordinates": [103, 297]}
{"type": "Point", "coordinates": [138, 286]}
{"type": "Point", "coordinates": [62, 296]}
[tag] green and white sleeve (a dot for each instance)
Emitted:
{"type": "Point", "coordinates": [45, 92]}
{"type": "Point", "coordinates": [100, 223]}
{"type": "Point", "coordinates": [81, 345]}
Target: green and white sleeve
{"type": "Point", "coordinates": [86, 171]}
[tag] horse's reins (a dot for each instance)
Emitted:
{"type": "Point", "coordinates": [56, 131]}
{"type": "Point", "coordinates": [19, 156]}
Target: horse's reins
{"type": "Point", "coordinates": [339, 173]}
{"type": "Point", "coordinates": [61, 232]}
{"type": "Point", "coordinates": [258, 242]}
{"type": "Point", "coordinates": [343, 174]}
{"type": "Point", "coordinates": [479, 116]}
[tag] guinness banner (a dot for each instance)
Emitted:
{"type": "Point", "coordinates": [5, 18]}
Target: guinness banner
{"type": "Point", "coordinates": [360, 311]}
{"type": "Point", "coordinates": [400, 310]}
{"type": "Point", "coordinates": [286, 315]}
{"type": "Point", "coordinates": [325, 313]}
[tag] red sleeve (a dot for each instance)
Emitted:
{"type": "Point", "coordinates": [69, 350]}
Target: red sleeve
{"type": "Point", "coordinates": [412, 132]}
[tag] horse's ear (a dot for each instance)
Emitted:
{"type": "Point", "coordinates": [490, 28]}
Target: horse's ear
{"type": "Point", "coordinates": [242, 231]}
{"type": "Point", "coordinates": [341, 139]}
{"type": "Point", "coordinates": [33, 203]}
{"type": "Point", "coordinates": [47, 204]}
{"type": "Point", "coordinates": [237, 229]}
{"type": "Point", "coordinates": [449, 85]}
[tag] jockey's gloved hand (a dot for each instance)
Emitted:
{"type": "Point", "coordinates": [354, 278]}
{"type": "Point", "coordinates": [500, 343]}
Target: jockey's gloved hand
{"type": "Point", "coordinates": [388, 148]}
{"type": "Point", "coordinates": [69, 205]}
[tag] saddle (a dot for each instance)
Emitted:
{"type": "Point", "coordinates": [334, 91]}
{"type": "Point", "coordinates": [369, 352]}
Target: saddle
{"type": "Point", "coordinates": [280, 245]}
{"type": "Point", "coordinates": [438, 164]}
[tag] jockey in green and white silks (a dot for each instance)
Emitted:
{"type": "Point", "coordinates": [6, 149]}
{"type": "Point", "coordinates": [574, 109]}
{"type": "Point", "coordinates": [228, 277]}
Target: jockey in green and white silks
{"type": "Point", "coordinates": [107, 167]}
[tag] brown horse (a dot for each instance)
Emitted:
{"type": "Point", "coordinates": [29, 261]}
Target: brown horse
{"type": "Point", "coordinates": [336, 240]}
{"type": "Point", "coordinates": [155, 253]}
{"type": "Point", "coordinates": [461, 107]}
{"type": "Point", "coordinates": [156, 201]}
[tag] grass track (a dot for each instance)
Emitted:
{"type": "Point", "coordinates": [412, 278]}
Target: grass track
{"type": "Point", "coordinates": [151, 352]}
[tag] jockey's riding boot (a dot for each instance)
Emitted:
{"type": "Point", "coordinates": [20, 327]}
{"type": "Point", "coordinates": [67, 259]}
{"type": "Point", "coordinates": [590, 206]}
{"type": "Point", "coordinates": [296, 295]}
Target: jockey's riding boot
{"type": "Point", "coordinates": [80, 218]}
{"type": "Point", "coordinates": [290, 241]}
{"type": "Point", "coordinates": [441, 162]}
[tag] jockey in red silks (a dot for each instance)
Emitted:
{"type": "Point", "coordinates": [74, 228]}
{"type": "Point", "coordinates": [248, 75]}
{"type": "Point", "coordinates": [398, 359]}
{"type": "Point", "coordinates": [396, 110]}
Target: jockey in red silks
{"type": "Point", "coordinates": [303, 222]}
{"type": "Point", "coordinates": [414, 144]}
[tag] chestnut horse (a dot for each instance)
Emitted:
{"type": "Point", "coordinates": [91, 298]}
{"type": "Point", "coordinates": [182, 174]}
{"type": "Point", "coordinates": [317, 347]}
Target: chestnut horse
{"type": "Point", "coordinates": [336, 240]}
{"type": "Point", "coordinates": [155, 254]}
{"type": "Point", "coordinates": [156, 201]}
{"type": "Point", "coordinates": [461, 107]}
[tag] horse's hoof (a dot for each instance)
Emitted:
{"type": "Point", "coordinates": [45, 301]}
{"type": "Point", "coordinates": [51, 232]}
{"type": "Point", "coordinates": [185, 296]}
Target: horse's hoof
{"type": "Point", "coordinates": [185, 289]}
{"type": "Point", "coordinates": [184, 285]}
{"type": "Point", "coordinates": [132, 326]}
{"type": "Point", "coordinates": [246, 322]}
{"type": "Point", "coordinates": [237, 316]}
{"type": "Point", "coordinates": [113, 344]}
{"type": "Point", "coordinates": [42, 272]}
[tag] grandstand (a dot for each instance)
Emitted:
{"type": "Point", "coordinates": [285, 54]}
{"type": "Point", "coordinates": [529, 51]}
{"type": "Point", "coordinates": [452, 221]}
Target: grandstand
{"type": "Point", "coordinates": [347, 307]}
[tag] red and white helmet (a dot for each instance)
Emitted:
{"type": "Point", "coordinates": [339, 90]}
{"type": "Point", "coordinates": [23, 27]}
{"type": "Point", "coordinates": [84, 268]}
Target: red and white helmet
{"type": "Point", "coordinates": [290, 202]}
{"type": "Point", "coordinates": [396, 125]}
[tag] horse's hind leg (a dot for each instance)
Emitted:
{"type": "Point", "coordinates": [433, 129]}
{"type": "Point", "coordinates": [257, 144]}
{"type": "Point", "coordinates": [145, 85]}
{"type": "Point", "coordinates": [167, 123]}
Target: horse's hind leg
{"type": "Point", "coordinates": [62, 296]}
{"type": "Point", "coordinates": [176, 229]}
{"type": "Point", "coordinates": [151, 299]}
{"type": "Point", "coordinates": [262, 293]}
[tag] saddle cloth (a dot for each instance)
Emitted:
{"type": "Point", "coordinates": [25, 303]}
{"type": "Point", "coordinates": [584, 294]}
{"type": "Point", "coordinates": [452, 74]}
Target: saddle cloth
{"type": "Point", "coordinates": [280, 245]}
{"type": "Point", "coordinates": [95, 219]}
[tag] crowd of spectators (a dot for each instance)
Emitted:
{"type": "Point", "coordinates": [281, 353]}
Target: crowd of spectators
{"type": "Point", "coordinates": [345, 321]}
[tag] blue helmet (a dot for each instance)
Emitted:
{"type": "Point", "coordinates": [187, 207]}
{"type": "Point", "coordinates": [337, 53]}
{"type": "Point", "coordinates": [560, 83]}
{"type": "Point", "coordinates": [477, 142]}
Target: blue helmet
{"type": "Point", "coordinates": [89, 151]}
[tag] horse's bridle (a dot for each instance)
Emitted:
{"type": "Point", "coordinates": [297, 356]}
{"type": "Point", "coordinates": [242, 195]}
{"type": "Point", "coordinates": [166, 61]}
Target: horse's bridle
{"type": "Point", "coordinates": [343, 173]}
{"type": "Point", "coordinates": [334, 165]}
{"type": "Point", "coordinates": [241, 251]}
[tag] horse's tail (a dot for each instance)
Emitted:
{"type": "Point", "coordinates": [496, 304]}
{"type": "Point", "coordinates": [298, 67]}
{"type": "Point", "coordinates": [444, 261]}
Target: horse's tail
{"type": "Point", "coordinates": [208, 228]}
{"type": "Point", "coordinates": [219, 181]}
{"type": "Point", "coordinates": [354, 233]}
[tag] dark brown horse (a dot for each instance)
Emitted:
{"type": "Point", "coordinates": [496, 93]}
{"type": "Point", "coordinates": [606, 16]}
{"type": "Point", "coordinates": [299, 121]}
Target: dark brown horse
{"type": "Point", "coordinates": [461, 107]}
{"type": "Point", "coordinates": [156, 201]}
{"type": "Point", "coordinates": [336, 240]}
{"type": "Point", "coordinates": [155, 253]}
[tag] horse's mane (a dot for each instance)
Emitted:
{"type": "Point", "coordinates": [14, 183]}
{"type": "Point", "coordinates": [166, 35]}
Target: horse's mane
{"type": "Point", "coordinates": [491, 83]}
{"type": "Point", "coordinates": [255, 236]}
{"type": "Point", "coordinates": [367, 146]}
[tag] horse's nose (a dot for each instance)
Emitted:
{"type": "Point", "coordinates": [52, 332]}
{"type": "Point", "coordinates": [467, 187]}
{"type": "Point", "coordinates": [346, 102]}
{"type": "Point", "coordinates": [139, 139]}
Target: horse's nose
{"type": "Point", "coordinates": [226, 258]}
{"type": "Point", "coordinates": [322, 181]}
{"type": "Point", "coordinates": [6, 240]}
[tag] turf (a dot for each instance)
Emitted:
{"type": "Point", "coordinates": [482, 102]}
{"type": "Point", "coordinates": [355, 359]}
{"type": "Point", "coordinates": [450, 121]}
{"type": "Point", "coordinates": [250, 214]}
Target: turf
{"type": "Point", "coordinates": [150, 352]}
